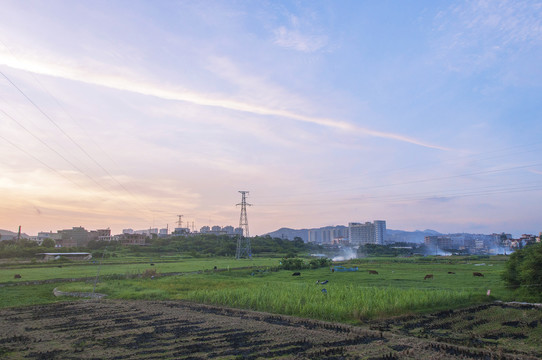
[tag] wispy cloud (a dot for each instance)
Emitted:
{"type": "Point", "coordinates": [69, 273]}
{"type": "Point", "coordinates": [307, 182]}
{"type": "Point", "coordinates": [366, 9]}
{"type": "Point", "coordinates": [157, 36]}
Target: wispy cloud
{"type": "Point", "coordinates": [438, 199]}
{"type": "Point", "coordinates": [294, 39]}
{"type": "Point", "coordinates": [300, 33]}
{"type": "Point", "coordinates": [476, 34]}
{"type": "Point", "coordinates": [63, 69]}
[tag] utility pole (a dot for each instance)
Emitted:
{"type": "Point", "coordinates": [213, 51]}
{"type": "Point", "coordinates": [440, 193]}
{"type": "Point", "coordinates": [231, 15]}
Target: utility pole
{"type": "Point", "coordinates": [243, 242]}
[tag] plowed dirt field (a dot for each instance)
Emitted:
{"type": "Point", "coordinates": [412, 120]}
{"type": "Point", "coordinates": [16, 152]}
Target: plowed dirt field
{"type": "Point", "coordinates": [110, 329]}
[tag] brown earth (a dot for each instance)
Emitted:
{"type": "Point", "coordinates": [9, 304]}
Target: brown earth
{"type": "Point", "coordinates": [114, 329]}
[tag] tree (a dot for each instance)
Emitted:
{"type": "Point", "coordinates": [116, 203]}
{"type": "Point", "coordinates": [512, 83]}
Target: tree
{"type": "Point", "coordinates": [524, 269]}
{"type": "Point", "coordinates": [25, 243]}
{"type": "Point", "coordinates": [48, 243]}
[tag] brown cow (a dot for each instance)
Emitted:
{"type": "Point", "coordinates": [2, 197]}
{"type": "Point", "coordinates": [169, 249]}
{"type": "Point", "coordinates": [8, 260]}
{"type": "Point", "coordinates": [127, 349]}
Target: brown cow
{"type": "Point", "coordinates": [374, 272]}
{"type": "Point", "coordinates": [17, 276]}
{"type": "Point", "coordinates": [477, 274]}
{"type": "Point", "coordinates": [428, 276]}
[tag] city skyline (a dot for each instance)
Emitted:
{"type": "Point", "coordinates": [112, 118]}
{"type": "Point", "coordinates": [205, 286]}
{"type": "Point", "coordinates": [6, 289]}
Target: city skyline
{"type": "Point", "coordinates": [126, 114]}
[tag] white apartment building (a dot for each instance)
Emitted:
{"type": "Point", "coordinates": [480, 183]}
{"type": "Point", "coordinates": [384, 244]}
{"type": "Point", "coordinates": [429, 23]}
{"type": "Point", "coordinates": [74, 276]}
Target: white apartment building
{"type": "Point", "coordinates": [367, 233]}
{"type": "Point", "coordinates": [361, 234]}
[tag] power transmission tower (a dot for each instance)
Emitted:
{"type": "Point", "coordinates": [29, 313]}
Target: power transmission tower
{"type": "Point", "coordinates": [243, 242]}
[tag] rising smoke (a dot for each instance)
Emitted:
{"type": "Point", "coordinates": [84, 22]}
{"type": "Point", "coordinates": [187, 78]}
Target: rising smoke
{"type": "Point", "coordinates": [346, 253]}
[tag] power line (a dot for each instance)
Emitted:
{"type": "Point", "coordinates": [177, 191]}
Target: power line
{"type": "Point", "coordinates": [411, 197]}
{"type": "Point", "coordinates": [41, 162]}
{"type": "Point", "coordinates": [396, 170]}
{"type": "Point", "coordinates": [64, 132]}
{"type": "Point", "coordinates": [73, 141]}
{"type": "Point", "coordinates": [480, 191]}
{"type": "Point", "coordinates": [53, 150]}
{"type": "Point", "coordinates": [58, 103]}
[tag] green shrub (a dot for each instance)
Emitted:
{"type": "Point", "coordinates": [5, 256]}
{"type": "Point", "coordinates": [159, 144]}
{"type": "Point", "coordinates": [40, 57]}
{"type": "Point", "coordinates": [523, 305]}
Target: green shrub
{"type": "Point", "coordinates": [299, 264]}
{"type": "Point", "coordinates": [319, 263]}
{"type": "Point", "coordinates": [524, 270]}
{"type": "Point", "coordinates": [293, 264]}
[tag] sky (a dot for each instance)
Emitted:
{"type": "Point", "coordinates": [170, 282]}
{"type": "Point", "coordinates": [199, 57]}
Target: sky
{"type": "Point", "coordinates": [126, 114]}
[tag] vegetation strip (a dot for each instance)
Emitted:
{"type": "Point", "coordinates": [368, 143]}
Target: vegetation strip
{"type": "Point", "coordinates": [107, 277]}
{"type": "Point", "coordinates": [58, 293]}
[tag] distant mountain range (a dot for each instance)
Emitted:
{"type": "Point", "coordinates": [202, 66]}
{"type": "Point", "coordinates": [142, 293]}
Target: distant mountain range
{"type": "Point", "coordinates": [290, 234]}
{"type": "Point", "coordinates": [417, 236]}
{"type": "Point", "coordinates": [8, 235]}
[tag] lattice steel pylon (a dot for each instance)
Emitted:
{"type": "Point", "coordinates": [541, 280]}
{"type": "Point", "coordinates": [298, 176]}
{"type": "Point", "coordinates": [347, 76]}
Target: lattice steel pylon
{"type": "Point", "coordinates": [243, 242]}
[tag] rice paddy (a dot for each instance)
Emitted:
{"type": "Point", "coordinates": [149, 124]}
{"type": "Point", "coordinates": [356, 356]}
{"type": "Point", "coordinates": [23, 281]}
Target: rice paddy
{"type": "Point", "coordinates": [351, 297]}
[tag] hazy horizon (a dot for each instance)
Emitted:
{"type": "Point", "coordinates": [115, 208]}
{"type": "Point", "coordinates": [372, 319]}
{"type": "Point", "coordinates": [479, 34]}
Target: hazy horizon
{"type": "Point", "coordinates": [126, 114]}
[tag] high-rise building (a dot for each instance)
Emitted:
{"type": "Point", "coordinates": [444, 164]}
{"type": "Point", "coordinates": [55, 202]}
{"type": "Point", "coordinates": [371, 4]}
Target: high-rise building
{"type": "Point", "coordinates": [328, 234]}
{"type": "Point", "coordinates": [380, 231]}
{"type": "Point", "coordinates": [315, 236]}
{"type": "Point", "coordinates": [229, 230]}
{"type": "Point", "coordinates": [340, 232]}
{"type": "Point", "coordinates": [361, 234]}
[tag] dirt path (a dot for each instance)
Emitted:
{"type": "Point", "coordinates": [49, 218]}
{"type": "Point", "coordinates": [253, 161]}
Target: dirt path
{"type": "Point", "coordinates": [111, 329]}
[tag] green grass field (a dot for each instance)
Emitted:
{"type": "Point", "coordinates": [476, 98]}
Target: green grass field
{"type": "Point", "coordinates": [121, 266]}
{"type": "Point", "coordinates": [398, 288]}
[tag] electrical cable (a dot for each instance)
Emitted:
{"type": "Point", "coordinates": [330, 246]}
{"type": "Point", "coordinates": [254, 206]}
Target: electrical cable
{"type": "Point", "coordinates": [56, 152]}
{"type": "Point", "coordinates": [143, 206]}
{"type": "Point", "coordinates": [41, 162]}
{"type": "Point", "coordinates": [73, 141]}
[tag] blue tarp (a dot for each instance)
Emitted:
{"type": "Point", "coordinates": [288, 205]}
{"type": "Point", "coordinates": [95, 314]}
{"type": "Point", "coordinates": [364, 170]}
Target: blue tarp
{"type": "Point", "coordinates": [342, 268]}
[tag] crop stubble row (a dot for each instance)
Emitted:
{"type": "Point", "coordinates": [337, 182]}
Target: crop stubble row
{"type": "Point", "coordinates": [114, 329]}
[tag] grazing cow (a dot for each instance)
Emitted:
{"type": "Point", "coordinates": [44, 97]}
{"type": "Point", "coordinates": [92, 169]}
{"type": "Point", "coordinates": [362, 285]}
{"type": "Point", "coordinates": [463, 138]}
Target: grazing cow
{"type": "Point", "coordinates": [152, 264]}
{"type": "Point", "coordinates": [451, 272]}
{"type": "Point", "coordinates": [428, 276]}
{"type": "Point", "coordinates": [477, 274]}
{"type": "Point", "coordinates": [296, 274]}
{"type": "Point", "coordinates": [323, 282]}
{"type": "Point", "coordinates": [17, 276]}
{"type": "Point", "coordinates": [373, 272]}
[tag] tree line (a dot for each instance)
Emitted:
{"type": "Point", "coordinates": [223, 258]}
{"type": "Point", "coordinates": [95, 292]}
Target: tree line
{"type": "Point", "coordinates": [203, 245]}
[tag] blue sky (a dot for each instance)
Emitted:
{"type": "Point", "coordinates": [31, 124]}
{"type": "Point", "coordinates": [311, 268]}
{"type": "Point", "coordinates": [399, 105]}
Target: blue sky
{"type": "Point", "coordinates": [127, 113]}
